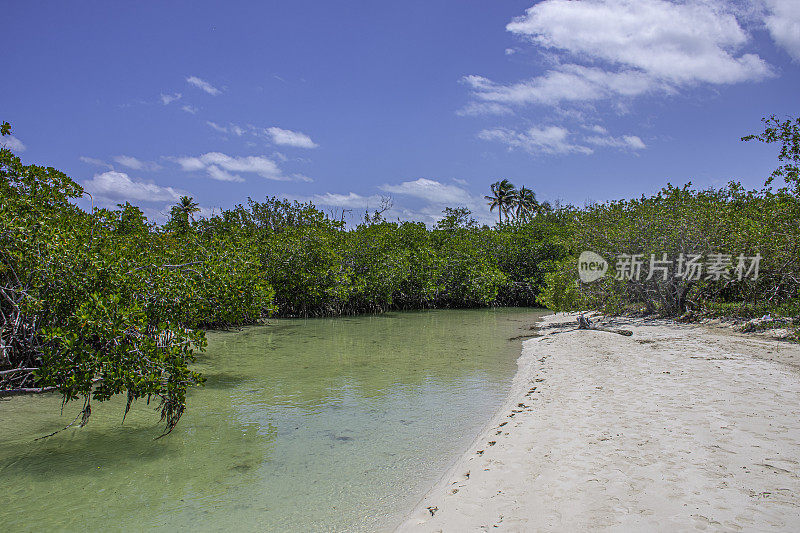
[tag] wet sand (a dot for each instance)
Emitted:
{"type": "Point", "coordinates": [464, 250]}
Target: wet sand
{"type": "Point", "coordinates": [678, 427]}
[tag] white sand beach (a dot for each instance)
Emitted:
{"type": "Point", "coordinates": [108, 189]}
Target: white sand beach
{"type": "Point", "coordinates": [677, 427]}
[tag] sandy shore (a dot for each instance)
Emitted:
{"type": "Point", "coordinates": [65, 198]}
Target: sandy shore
{"type": "Point", "coordinates": [675, 428]}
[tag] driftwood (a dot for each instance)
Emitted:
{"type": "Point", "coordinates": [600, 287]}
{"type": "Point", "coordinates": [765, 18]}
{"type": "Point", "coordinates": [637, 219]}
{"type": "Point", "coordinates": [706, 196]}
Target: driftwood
{"type": "Point", "coordinates": [15, 370]}
{"type": "Point", "coordinates": [585, 323]}
{"type": "Point", "coordinates": [529, 336]}
{"type": "Point", "coordinates": [27, 390]}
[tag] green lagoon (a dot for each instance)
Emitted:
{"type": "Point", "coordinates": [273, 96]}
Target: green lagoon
{"type": "Point", "coordinates": [304, 425]}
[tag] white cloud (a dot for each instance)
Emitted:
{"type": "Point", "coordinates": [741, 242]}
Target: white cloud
{"type": "Point", "coordinates": [350, 200]}
{"type": "Point", "coordinates": [611, 51]}
{"type": "Point", "coordinates": [204, 85]}
{"type": "Point", "coordinates": [556, 140]}
{"type": "Point", "coordinates": [548, 140]}
{"type": "Point", "coordinates": [510, 51]}
{"type": "Point", "coordinates": [474, 109]}
{"type": "Point", "coordinates": [189, 109]}
{"type": "Point", "coordinates": [431, 190]}
{"type": "Point", "coordinates": [190, 164]}
{"type": "Point", "coordinates": [275, 135]}
{"type": "Point", "coordinates": [221, 167]}
{"type": "Point", "coordinates": [94, 161]}
{"type": "Point", "coordinates": [596, 128]}
{"type": "Point", "coordinates": [418, 200]}
{"type": "Point", "coordinates": [116, 187]}
{"type": "Point", "coordinates": [630, 142]}
{"type": "Point", "coordinates": [607, 49]}
{"type": "Point", "coordinates": [302, 177]}
{"type": "Point", "coordinates": [12, 143]}
{"type": "Point", "coordinates": [290, 138]}
{"type": "Point", "coordinates": [569, 83]}
{"type": "Point", "coordinates": [259, 165]}
{"type": "Point", "coordinates": [221, 175]}
{"type": "Point", "coordinates": [783, 23]}
{"type": "Point", "coordinates": [231, 128]}
{"type": "Point", "coordinates": [681, 43]}
{"type": "Point", "coordinates": [214, 125]}
{"type": "Point", "coordinates": [136, 164]}
{"type": "Point", "coordinates": [167, 99]}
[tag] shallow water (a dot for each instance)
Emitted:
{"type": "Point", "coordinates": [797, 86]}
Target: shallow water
{"type": "Point", "coordinates": [304, 425]}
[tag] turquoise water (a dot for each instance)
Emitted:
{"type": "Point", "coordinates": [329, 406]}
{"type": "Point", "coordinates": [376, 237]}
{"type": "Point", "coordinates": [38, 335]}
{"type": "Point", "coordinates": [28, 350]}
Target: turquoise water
{"type": "Point", "coordinates": [304, 425]}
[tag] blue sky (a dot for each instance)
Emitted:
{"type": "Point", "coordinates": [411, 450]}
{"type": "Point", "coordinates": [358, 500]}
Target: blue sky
{"type": "Point", "coordinates": [428, 102]}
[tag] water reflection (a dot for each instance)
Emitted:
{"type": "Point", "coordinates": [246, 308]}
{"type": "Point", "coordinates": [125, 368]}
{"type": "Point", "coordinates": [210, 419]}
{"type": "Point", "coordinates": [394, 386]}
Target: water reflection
{"type": "Point", "coordinates": [303, 425]}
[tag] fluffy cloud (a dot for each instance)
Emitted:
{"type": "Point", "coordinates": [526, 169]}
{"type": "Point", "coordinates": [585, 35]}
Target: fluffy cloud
{"type": "Point", "coordinates": [431, 190]}
{"type": "Point", "coordinates": [222, 167]}
{"type": "Point", "coordinates": [624, 48]}
{"type": "Point", "coordinates": [547, 140]}
{"type": "Point", "coordinates": [615, 50]}
{"type": "Point", "coordinates": [167, 99]}
{"type": "Point", "coordinates": [202, 84]}
{"type": "Point", "coordinates": [12, 143]}
{"type": "Point", "coordinates": [569, 83]}
{"type": "Point", "coordinates": [783, 23]}
{"type": "Point", "coordinates": [422, 199]}
{"type": "Point", "coordinates": [274, 135]}
{"type": "Point", "coordinates": [189, 109]}
{"type": "Point", "coordinates": [556, 140]}
{"type": "Point", "coordinates": [290, 138]}
{"type": "Point", "coordinates": [681, 43]}
{"type": "Point", "coordinates": [113, 187]}
{"type": "Point", "coordinates": [214, 172]}
{"type": "Point", "coordinates": [136, 164]}
{"type": "Point", "coordinates": [350, 200]}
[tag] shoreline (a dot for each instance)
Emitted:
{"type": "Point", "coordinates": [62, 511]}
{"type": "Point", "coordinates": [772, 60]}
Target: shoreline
{"type": "Point", "coordinates": [455, 462]}
{"type": "Point", "coordinates": [679, 426]}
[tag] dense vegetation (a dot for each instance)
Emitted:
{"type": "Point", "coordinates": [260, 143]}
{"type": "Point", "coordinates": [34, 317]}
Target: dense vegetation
{"type": "Point", "coordinates": [104, 303]}
{"type": "Point", "coordinates": [730, 222]}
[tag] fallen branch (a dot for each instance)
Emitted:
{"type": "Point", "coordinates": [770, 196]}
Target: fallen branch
{"type": "Point", "coordinates": [585, 323]}
{"type": "Point", "coordinates": [14, 370]}
{"type": "Point", "coordinates": [17, 392]}
{"type": "Point", "coordinates": [524, 337]}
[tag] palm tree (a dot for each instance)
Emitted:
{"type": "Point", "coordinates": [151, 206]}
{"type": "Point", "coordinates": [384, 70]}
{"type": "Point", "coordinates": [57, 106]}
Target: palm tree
{"type": "Point", "coordinates": [526, 204]}
{"type": "Point", "coordinates": [188, 206]}
{"type": "Point", "coordinates": [504, 196]}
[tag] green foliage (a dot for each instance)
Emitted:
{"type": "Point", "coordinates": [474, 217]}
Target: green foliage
{"type": "Point", "coordinates": [684, 221]}
{"type": "Point", "coordinates": [107, 303]}
{"type": "Point", "coordinates": [787, 133]}
{"type": "Point", "coordinates": [106, 347]}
